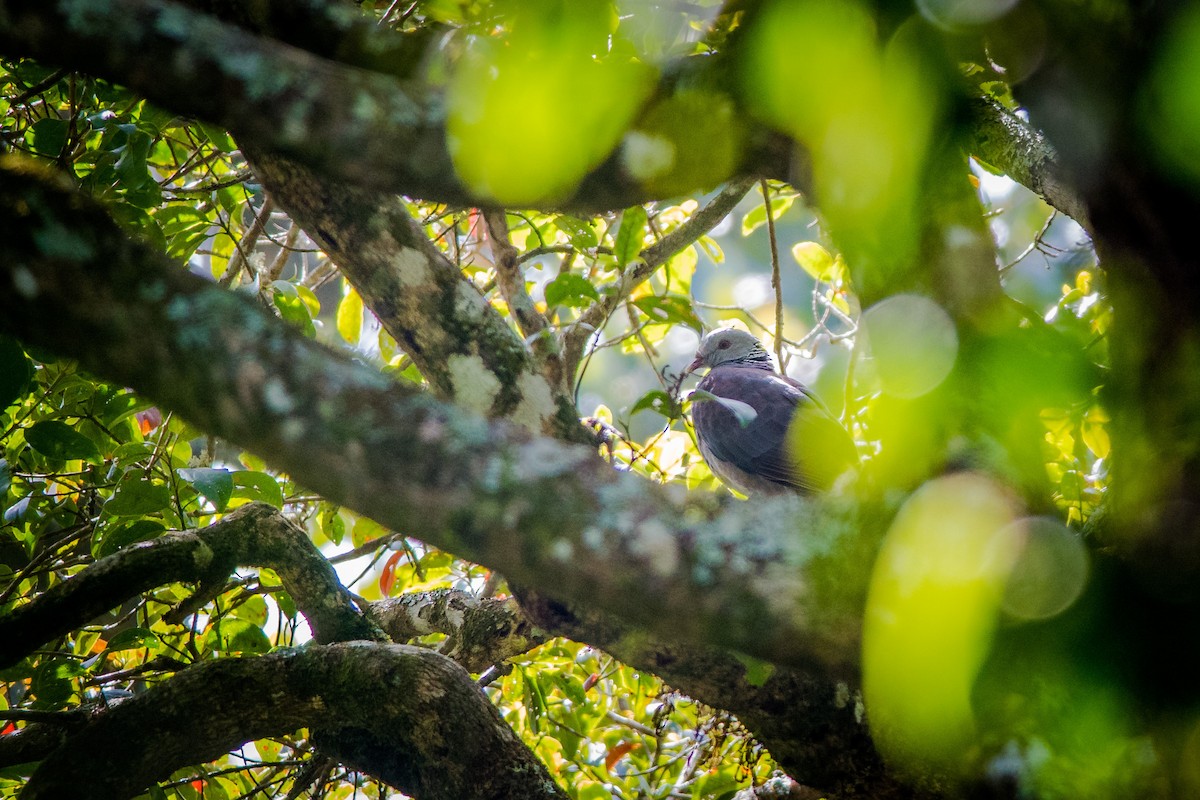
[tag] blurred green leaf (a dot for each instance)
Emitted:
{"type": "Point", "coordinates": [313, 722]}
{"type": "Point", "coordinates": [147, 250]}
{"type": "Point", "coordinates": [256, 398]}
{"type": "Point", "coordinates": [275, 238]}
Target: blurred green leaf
{"type": "Point", "coordinates": [630, 235]}
{"type": "Point", "coordinates": [581, 234]}
{"type": "Point", "coordinates": [571, 290]}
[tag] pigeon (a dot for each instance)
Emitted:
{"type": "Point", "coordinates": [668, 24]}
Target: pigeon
{"type": "Point", "coordinates": [759, 431]}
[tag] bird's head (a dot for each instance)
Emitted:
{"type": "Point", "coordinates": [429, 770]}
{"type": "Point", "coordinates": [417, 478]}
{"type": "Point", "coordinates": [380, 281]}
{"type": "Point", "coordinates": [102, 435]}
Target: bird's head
{"type": "Point", "coordinates": [729, 346]}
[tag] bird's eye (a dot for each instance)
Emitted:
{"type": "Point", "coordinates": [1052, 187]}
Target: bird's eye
{"type": "Point", "coordinates": [723, 344]}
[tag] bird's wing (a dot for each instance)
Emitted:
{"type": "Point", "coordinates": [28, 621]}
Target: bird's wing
{"type": "Point", "coordinates": [758, 446]}
{"type": "Point", "coordinates": [791, 439]}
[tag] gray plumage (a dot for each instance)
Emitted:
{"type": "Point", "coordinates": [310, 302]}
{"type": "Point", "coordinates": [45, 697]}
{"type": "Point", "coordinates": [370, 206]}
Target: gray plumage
{"type": "Point", "coordinates": [759, 431]}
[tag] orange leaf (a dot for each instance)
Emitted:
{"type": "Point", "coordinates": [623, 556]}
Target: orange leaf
{"type": "Point", "coordinates": [388, 576]}
{"type": "Point", "coordinates": [591, 681]}
{"type": "Point", "coordinates": [615, 754]}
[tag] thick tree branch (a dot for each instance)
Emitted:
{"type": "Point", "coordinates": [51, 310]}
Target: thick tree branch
{"type": "Point", "coordinates": [254, 535]}
{"type": "Point", "coordinates": [783, 580]}
{"type": "Point", "coordinates": [1004, 140]}
{"type": "Point", "coordinates": [480, 632]}
{"type": "Point", "coordinates": [464, 349]}
{"type": "Point", "coordinates": [421, 707]}
{"type": "Point", "coordinates": [353, 123]}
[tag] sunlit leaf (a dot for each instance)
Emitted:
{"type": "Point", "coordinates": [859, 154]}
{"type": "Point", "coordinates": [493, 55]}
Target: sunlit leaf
{"type": "Point", "coordinates": [816, 261]}
{"type": "Point", "coordinates": [350, 316]}
{"type": "Point", "coordinates": [238, 636]}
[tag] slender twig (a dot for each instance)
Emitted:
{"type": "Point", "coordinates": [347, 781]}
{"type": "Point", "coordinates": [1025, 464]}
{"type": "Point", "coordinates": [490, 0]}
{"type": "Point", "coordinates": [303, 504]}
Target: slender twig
{"type": "Point", "coordinates": [1037, 244]}
{"type": "Point", "coordinates": [776, 280]}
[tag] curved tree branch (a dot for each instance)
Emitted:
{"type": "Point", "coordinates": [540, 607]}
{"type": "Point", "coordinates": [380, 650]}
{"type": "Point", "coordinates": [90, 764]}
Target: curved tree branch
{"type": "Point", "coordinates": [422, 706]}
{"type": "Point", "coordinates": [254, 535]}
{"type": "Point", "coordinates": [783, 580]}
{"type": "Point", "coordinates": [1005, 140]}
{"type": "Point", "coordinates": [353, 123]}
{"type": "Point", "coordinates": [481, 632]}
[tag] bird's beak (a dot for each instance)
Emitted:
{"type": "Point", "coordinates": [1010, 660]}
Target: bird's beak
{"type": "Point", "coordinates": [695, 365]}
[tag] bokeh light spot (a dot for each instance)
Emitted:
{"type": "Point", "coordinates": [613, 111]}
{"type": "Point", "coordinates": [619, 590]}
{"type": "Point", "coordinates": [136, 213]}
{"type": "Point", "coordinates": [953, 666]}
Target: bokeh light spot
{"type": "Point", "coordinates": [913, 343]}
{"type": "Point", "coordinates": [932, 608]}
{"type": "Point", "coordinates": [1050, 573]}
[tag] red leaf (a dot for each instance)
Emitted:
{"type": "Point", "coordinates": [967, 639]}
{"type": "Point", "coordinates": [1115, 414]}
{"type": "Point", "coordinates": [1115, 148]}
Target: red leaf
{"type": "Point", "coordinates": [7, 729]}
{"type": "Point", "coordinates": [388, 576]}
{"type": "Point", "coordinates": [591, 681]}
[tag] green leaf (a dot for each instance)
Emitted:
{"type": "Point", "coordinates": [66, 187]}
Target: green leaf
{"type": "Point", "coordinates": [239, 636]}
{"type": "Point", "coordinates": [630, 235]}
{"type": "Point", "coordinates": [571, 290]}
{"type": "Point", "coordinates": [669, 309]}
{"type": "Point", "coordinates": [47, 137]}
{"type": "Point", "coordinates": [133, 639]}
{"type": "Point", "coordinates": [135, 497]}
{"type": "Point", "coordinates": [655, 400]}
{"type": "Point", "coordinates": [58, 440]}
{"type": "Point", "coordinates": [258, 487]}
{"type": "Point", "coordinates": [292, 307]}
{"type": "Point", "coordinates": [112, 538]}
{"type": "Point", "coordinates": [51, 683]}
{"type": "Point", "coordinates": [16, 372]}
{"type": "Point", "coordinates": [121, 405]}
{"type": "Point", "coordinates": [214, 484]}
{"type": "Point", "coordinates": [184, 228]}
{"type": "Point", "coordinates": [5, 476]}
{"type": "Point", "coordinates": [582, 235]}
{"type": "Point", "coordinates": [254, 611]}
{"type": "Point", "coordinates": [757, 217]}
{"type": "Point", "coordinates": [757, 672]}
{"type": "Point", "coordinates": [131, 166]}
